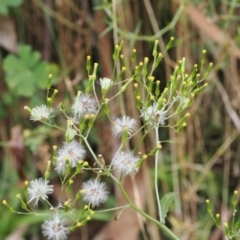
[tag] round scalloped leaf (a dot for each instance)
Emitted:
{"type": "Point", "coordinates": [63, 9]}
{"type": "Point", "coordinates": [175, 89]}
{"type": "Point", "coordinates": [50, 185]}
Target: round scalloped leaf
{"type": "Point", "coordinates": [26, 73]}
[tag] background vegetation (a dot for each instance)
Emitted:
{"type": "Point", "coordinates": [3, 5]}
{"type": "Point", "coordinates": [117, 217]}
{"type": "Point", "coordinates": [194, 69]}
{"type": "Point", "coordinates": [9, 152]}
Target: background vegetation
{"type": "Point", "coordinates": [38, 37]}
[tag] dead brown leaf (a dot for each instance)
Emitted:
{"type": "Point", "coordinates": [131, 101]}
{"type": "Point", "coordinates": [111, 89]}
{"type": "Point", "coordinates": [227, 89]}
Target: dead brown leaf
{"type": "Point", "coordinates": [211, 30]}
{"type": "Point", "coordinates": [18, 233]}
{"type": "Point", "coordinates": [16, 145]}
{"type": "Point", "coordinates": [8, 34]}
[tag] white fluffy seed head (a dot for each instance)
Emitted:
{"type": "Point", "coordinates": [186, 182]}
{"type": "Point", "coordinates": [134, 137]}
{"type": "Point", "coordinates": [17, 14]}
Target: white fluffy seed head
{"type": "Point", "coordinates": [83, 105]}
{"type": "Point", "coordinates": [95, 192]}
{"type": "Point", "coordinates": [154, 116]}
{"type": "Point", "coordinates": [124, 124]}
{"type": "Point", "coordinates": [55, 228]}
{"type": "Point", "coordinates": [69, 155]}
{"type": "Point", "coordinates": [38, 190]}
{"type": "Point", "coordinates": [125, 162]}
{"type": "Point", "coordinates": [105, 83]}
{"type": "Point", "coordinates": [41, 113]}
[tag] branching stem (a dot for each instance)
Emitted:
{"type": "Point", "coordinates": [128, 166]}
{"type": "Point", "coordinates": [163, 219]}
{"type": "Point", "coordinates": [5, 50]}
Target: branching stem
{"type": "Point", "coordinates": [156, 178]}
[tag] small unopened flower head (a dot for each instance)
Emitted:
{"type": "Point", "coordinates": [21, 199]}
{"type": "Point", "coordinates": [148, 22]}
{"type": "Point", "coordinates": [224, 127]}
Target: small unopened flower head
{"type": "Point", "coordinates": [124, 124]}
{"type": "Point", "coordinates": [55, 228]}
{"type": "Point", "coordinates": [125, 162]}
{"type": "Point", "coordinates": [83, 105]}
{"type": "Point", "coordinates": [105, 83]}
{"type": "Point", "coordinates": [95, 192]}
{"type": "Point", "coordinates": [69, 154]}
{"type": "Point", "coordinates": [38, 190]}
{"type": "Point", "coordinates": [41, 113]}
{"type": "Point", "coordinates": [153, 115]}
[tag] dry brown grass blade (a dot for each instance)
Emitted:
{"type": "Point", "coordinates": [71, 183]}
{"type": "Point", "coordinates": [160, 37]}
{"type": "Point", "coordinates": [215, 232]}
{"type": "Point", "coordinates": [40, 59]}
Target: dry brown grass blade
{"type": "Point", "coordinates": [18, 233]}
{"type": "Point", "coordinates": [16, 145]}
{"type": "Point", "coordinates": [8, 34]}
{"type": "Point", "coordinates": [59, 17]}
{"type": "Point", "coordinates": [220, 152]}
{"type": "Point", "coordinates": [226, 100]}
{"type": "Point", "coordinates": [211, 30]}
{"type": "Point", "coordinates": [206, 25]}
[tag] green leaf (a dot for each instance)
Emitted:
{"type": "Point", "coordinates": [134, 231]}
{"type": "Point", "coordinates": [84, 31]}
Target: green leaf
{"type": "Point", "coordinates": [237, 225]}
{"type": "Point", "coordinates": [166, 201]}
{"type": "Point", "coordinates": [6, 4]}
{"type": "Point", "coordinates": [26, 73]}
{"type": "Point", "coordinates": [34, 138]}
{"type": "Point", "coordinates": [28, 57]}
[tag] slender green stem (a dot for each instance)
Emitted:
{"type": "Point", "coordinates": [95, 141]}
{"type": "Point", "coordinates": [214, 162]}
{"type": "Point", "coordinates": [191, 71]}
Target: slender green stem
{"type": "Point", "coordinates": [171, 25]}
{"type": "Point", "coordinates": [119, 149]}
{"type": "Point", "coordinates": [156, 178]}
{"type": "Point", "coordinates": [95, 94]}
{"type": "Point", "coordinates": [113, 209]}
{"type": "Point", "coordinates": [90, 149]}
{"type": "Point", "coordinates": [96, 114]}
{"type": "Point", "coordinates": [53, 126]}
{"type": "Point", "coordinates": [27, 213]}
{"type": "Point", "coordinates": [233, 216]}
{"type": "Point", "coordinates": [166, 230]}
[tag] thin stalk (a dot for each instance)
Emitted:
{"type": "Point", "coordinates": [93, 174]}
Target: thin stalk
{"type": "Point", "coordinates": [90, 150]}
{"type": "Point", "coordinates": [156, 178]}
{"type": "Point", "coordinates": [112, 209]}
{"type": "Point", "coordinates": [157, 35]}
{"type": "Point", "coordinates": [166, 230]}
{"type": "Point", "coordinates": [53, 126]}
{"type": "Point", "coordinates": [119, 149]}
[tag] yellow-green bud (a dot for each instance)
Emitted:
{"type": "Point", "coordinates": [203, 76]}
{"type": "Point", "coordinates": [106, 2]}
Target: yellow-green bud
{"type": "Point", "coordinates": [85, 163]}
{"type": "Point", "coordinates": [159, 146]}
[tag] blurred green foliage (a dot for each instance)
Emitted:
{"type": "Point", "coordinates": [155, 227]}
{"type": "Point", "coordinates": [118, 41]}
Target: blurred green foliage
{"type": "Point", "coordinates": [6, 4]}
{"type": "Point", "coordinates": [35, 137]}
{"type": "Point", "coordinates": [26, 73]}
{"type": "Point", "coordinates": [12, 221]}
